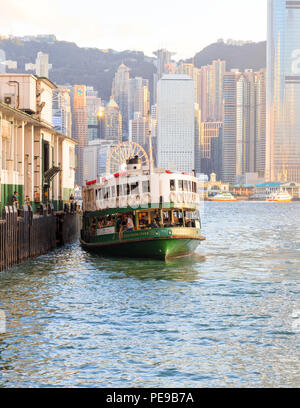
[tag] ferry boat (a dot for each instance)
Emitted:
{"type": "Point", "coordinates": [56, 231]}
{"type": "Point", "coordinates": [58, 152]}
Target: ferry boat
{"type": "Point", "coordinates": [142, 213]}
{"type": "Point", "coordinates": [281, 197]}
{"type": "Point", "coordinates": [223, 197]}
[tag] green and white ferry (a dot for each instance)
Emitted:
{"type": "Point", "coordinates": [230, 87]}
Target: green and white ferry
{"type": "Point", "coordinates": [142, 213]}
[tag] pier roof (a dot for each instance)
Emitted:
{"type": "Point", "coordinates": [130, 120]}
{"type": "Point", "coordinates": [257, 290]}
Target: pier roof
{"type": "Point", "coordinates": [23, 116]}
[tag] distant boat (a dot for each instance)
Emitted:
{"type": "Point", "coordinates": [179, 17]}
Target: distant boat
{"type": "Point", "coordinates": [281, 197]}
{"type": "Point", "coordinates": [223, 197]}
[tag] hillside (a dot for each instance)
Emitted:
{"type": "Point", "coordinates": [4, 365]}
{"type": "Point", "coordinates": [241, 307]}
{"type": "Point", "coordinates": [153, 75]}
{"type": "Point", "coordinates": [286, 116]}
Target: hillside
{"type": "Point", "coordinates": [94, 67]}
{"type": "Point", "coordinates": [75, 65]}
{"type": "Point", "coordinates": [251, 56]}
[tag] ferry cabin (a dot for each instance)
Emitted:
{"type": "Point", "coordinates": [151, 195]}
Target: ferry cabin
{"type": "Point", "coordinates": [141, 204]}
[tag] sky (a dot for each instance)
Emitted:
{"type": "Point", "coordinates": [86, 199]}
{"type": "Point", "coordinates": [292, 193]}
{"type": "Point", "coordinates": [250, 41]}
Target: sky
{"type": "Point", "coordinates": [181, 26]}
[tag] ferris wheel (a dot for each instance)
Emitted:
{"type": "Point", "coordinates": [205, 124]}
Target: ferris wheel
{"type": "Point", "coordinates": [117, 158]}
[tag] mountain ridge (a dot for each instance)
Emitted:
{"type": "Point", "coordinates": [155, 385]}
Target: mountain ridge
{"type": "Point", "coordinates": [94, 67]}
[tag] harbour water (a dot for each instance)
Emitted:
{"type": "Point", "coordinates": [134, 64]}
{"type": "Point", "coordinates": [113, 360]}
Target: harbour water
{"type": "Point", "coordinates": [228, 317]}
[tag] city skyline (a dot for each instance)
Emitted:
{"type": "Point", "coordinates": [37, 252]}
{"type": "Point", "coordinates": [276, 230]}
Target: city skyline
{"type": "Point", "coordinates": [165, 27]}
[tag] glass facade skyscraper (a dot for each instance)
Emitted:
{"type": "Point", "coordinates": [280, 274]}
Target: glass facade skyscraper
{"type": "Point", "coordinates": [283, 91]}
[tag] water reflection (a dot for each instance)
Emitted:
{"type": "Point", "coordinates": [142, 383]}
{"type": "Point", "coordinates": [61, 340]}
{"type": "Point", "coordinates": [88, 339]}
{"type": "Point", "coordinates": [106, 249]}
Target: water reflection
{"type": "Point", "coordinates": [176, 269]}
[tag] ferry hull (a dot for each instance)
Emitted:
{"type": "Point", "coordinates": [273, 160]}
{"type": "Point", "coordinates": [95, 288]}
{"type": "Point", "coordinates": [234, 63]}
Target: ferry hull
{"type": "Point", "coordinates": [160, 248]}
{"type": "Point", "coordinates": [280, 201]}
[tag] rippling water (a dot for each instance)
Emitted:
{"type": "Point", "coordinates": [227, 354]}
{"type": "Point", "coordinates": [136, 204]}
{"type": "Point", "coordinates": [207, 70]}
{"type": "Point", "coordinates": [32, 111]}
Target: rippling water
{"type": "Point", "coordinates": [227, 317]}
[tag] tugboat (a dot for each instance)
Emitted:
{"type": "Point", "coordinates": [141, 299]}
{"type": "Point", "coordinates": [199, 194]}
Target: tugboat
{"type": "Point", "coordinates": [142, 213]}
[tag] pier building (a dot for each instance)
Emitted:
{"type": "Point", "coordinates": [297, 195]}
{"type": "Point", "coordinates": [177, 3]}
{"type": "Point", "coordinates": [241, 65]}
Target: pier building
{"type": "Point", "coordinates": [36, 161]}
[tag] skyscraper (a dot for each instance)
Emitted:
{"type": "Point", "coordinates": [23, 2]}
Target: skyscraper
{"type": "Point", "coordinates": [176, 123]}
{"type": "Point", "coordinates": [211, 91]}
{"type": "Point", "coordinates": [138, 130]}
{"type": "Point", "coordinates": [62, 115]}
{"type": "Point", "coordinates": [229, 128]}
{"type": "Point", "coordinates": [283, 91]}
{"type": "Point", "coordinates": [93, 107]}
{"type": "Point", "coordinates": [113, 122]}
{"type": "Point", "coordinates": [42, 65]}
{"type": "Point", "coordinates": [164, 66]}
{"type": "Point", "coordinates": [243, 141]}
{"type": "Point", "coordinates": [80, 128]}
{"type": "Point", "coordinates": [120, 96]}
{"type": "Point", "coordinates": [260, 156]}
{"type": "Point", "coordinates": [138, 97]}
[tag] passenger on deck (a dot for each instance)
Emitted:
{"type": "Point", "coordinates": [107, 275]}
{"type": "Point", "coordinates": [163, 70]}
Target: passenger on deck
{"type": "Point", "coordinates": [129, 224]}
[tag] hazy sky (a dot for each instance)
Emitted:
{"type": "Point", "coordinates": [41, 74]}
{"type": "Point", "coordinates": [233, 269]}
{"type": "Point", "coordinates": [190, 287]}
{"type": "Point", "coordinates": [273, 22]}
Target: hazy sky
{"type": "Point", "coordinates": [182, 26]}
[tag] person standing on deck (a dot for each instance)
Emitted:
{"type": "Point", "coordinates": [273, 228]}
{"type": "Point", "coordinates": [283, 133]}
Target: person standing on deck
{"type": "Point", "coordinates": [15, 199]}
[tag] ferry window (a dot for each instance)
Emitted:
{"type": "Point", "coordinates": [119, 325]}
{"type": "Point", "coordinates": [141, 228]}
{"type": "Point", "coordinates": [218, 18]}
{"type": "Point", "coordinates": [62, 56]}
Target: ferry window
{"type": "Point", "coordinates": [119, 191]}
{"type": "Point", "coordinates": [194, 187]}
{"type": "Point", "coordinates": [178, 218]}
{"type": "Point", "coordinates": [113, 191]}
{"type": "Point", "coordinates": [106, 193]}
{"type": "Point", "coordinates": [180, 185]}
{"type": "Point", "coordinates": [134, 188]}
{"type": "Point", "coordinates": [144, 220]}
{"type": "Point", "coordinates": [96, 191]}
{"type": "Point", "coordinates": [100, 222]}
{"type": "Point", "coordinates": [101, 194]}
{"type": "Point", "coordinates": [127, 189]}
{"type": "Point", "coordinates": [146, 186]}
{"type": "Point", "coordinates": [172, 185]}
{"type": "Point", "coordinates": [167, 218]}
{"type": "Point", "coordinates": [189, 186]}
{"type": "Point", "coordinates": [185, 185]}
{"type": "Point", "coordinates": [155, 219]}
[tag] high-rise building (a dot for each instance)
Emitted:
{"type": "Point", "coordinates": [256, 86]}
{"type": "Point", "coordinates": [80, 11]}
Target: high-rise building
{"type": "Point", "coordinates": [153, 128]}
{"type": "Point", "coordinates": [194, 73]}
{"type": "Point", "coordinates": [210, 91]}
{"type": "Point", "coordinates": [138, 130]}
{"type": "Point", "coordinates": [260, 156]}
{"type": "Point", "coordinates": [120, 95]}
{"type": "Point", "coordinates": [113, 122]}
{"type": "Point", "coordinates": [2, 62]}
{"type": "Point", "coordinates": [243, 139]}
{"type": "Point", "coordinates": [62, 115]}
{"type": "Point", "coordinates": [283, 91]}
{"type": "Point", "coordinates": [176, 127]}
{"type": "Point", "coordinates": [138, 97]}
{"type": "Point", "coordinates": [93, 107]}
{"type": "Point", "coordinates": [42, 65]}
{"type": "Point", "coordinates": [95, 157]}
{"type": "Point", "coordinates": [164, 66]}
{"type": "Point", "coordinates": [80, 128]}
